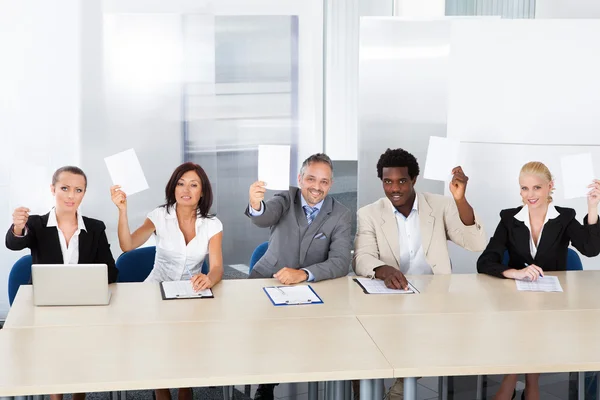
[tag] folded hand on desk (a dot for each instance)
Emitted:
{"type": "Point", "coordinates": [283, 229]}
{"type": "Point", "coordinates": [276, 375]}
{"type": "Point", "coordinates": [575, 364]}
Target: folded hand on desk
{"type": "Point", "coordinates": [289, 276]}
{"type": "Point", "coordinates": [201, 282]}
{"type": "Point", "coordinates": [392, 277]}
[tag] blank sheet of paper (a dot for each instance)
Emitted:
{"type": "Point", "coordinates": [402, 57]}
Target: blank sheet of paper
{"type": "Point", "coordinates": [542, 284]}
{"type": "Point", "coordinates": [442, 156]}
{"type": "Point", "coordinates": [377, 286]}
{"type": "Point", "coordinates": [290, 295]}
{"type": "Point", "coordinates": [125, 170]}
{"type": "Point", "coordinates": [577, 174]}
{"type": "Point", "coordinates": [30, 187]}
{"type": "Point", "coordinates": [274, 166]}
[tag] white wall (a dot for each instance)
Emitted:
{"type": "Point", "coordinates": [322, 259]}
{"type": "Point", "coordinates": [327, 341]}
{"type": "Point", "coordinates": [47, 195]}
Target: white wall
{"type": "Point", "coordinates": [567, 9]}
{"type": "Point", "coordinates": [39, 105]}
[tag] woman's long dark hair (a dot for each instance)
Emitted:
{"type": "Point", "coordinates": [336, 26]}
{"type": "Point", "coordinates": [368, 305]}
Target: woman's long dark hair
{"type": "Point", "coordinates": [207, 195]}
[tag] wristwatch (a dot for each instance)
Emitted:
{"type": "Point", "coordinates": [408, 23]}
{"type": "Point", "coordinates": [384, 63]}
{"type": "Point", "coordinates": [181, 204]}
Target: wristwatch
{"type": "Point", "coordinates": [307, 274]}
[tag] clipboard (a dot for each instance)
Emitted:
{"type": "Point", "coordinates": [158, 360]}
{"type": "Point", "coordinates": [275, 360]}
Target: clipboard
{"type": "Point", "coordinates": [384, 290]}
{"type": "Point", "coordinates": [313, 299]}
{"type": "Point", "coordinates": [182, 297]}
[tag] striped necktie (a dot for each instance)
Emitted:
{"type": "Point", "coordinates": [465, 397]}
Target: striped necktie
{"type": "Point", "coordinates": [311, 213]}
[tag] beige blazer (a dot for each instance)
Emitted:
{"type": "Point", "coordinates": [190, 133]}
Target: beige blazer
{"type": "Point", "coordinates": [377, 242]}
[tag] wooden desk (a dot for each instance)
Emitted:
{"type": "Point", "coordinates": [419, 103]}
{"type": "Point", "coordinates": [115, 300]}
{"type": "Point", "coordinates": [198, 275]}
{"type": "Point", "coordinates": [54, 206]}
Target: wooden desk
{"type": "Point", "coordinates": [477, 293]}
{"type": "Point", "coordinates": [135, 303]}
{"type": "Point", "coordinates": [492, 343]}
{"type": "Point", "coordinates": [142, 356]}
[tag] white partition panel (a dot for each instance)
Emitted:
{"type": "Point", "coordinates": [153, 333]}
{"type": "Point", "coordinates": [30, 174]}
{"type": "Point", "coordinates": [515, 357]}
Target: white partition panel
{"type": "Point", "coordinates": [525, 81]}
{"type": "Point", "coordinates": [493, 171]}
{"type": "Point", "coordinates": [567, 9]}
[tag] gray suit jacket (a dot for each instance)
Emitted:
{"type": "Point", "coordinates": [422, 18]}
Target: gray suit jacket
{"type": "Point", "coordinates": [323, 247]}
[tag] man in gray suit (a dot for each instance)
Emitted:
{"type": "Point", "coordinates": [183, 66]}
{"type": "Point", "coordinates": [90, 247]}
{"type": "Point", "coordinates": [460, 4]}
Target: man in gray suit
{"type": "Point", "coordinates": [310, 232]}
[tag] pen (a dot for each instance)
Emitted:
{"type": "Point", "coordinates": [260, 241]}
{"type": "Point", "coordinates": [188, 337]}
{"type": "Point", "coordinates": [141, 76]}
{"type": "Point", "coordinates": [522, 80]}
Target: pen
{"type": "Point", "coordinates": [527, 265]}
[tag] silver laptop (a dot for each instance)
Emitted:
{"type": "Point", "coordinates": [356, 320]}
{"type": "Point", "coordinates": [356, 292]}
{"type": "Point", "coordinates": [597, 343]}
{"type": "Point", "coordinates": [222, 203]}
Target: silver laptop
{"type": "Point", "coordinates": [70, 284]}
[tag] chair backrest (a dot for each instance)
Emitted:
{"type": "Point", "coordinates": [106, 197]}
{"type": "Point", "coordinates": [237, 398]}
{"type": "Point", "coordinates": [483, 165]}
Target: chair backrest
{"type": "Point", "coordinates": [136, 265]}
{"type": "Point", "coordinates": [258, 252]}
{"type": "Point", "coordinates": [20, 274]}
{"type": "Point", "coordinates": [573, 260]}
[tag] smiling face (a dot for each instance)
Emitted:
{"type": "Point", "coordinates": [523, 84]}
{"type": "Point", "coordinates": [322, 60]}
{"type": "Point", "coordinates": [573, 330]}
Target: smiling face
{"type": "Point", "coordinates": [188, 190]}
{"type": "Point", "coordinates": [398, 186]}
{"type": "Point", "coordinates": [68, 191]}
{"type": "Point", "coordinates": [535, 190]}
{"type": "Point", "coordinates": [315, 182]}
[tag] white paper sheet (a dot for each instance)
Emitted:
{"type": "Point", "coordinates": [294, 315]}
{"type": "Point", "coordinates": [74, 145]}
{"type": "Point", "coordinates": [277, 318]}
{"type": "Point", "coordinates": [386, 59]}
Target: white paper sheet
{"type": "Point", "coordinates": [30, 187]}
{"type": "Point", "coordinates": [377, 286]}
{"type": "Point", "coordinates": [577, 174]}
{"type": "Point", "coordinates": [274, 166]}
{"type": "Point", "coordinates": [292, 295]}
{"type": "Point", "coordinates": [182, 290]}
{"type": "Point", "coordinates": [542, 284]}
{"type": "Point", "coordinates": [125, 170]}
{"type": "Point", "coordinates": [442, 156]}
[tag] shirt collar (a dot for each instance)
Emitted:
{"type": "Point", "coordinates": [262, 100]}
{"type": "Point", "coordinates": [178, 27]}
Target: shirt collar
{"type": "Point", "coordinates": [415, 206]}
{"type": "Point", "coordinates": [304, 203]}
{"type": "Point", "coordinates": [523, 215]}
{"type": "Point", "coordinates": [53, 222]}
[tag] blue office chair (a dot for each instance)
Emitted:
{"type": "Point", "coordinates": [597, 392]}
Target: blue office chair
{"type": "Point", "coordinates": [136, 265]}
{"type": "Point", "coordinates": [260, 251]}
{"type": "Point", "coordinates": [20, 274]}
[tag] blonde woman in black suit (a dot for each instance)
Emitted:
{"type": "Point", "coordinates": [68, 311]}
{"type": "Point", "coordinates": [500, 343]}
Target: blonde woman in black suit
{"type": "Point", "coordinates": [537, 236]}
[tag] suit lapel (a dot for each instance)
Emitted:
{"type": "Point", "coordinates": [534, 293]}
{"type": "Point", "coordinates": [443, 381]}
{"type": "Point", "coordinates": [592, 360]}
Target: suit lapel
{"type": "Point", "coordinates": [314, 227]}
{"type": "Point", "coordinates": [522, 238]}
{"type": "Point", "coordinates": [51, 234]}
{"type": "Point", "coordinates": [300, 214]}
{"type": "Point", "coordinates": [426, 223]}
{"type": "Point", "coordinates": [85, 247]}
{"type": "Point", "coordinates": [551, 232]}
{"type": "Point", "coordinates": [389, 225]}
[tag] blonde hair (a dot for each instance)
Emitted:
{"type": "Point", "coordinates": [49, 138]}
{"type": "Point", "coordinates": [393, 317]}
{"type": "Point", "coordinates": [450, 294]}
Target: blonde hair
{"type": "Point", "coordinates": [539, 169]}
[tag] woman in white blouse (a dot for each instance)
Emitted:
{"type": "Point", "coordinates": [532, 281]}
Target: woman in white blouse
{"type": "Point", "coordinates": [537, 236]}
{"type": "Point", "coordinates": [185, 234]}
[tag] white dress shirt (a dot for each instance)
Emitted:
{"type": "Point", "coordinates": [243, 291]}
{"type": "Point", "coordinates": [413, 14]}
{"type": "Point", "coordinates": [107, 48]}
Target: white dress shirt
{"type": "Point", "coordinates": [70, 252]}
{"type": "Point", "coordinates": [523, 216]}
{"type": "Point", "coordinates": [174, 259]}
{"type": "Point", "coordinates": [303, 203]}
{"type": "Point", "coordinates": [412, 257]}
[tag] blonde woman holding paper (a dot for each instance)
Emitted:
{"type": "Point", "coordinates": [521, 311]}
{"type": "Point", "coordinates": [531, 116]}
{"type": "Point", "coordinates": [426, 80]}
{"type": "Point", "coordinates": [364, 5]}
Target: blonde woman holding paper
{"type": "Point", "coordinates": [537, 236]}
{"type": "Point", "coordinates": [185, 234]}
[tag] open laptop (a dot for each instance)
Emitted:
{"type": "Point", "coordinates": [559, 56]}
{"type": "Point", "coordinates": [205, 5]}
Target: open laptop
{"type": "Point", "coordinates": [70, 284]}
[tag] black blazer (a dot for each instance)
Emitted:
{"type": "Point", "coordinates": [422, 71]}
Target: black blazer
{"type": "Point", "coordinates": [514, 236]}
{"type": "Point", "coordinates": [45, 245]}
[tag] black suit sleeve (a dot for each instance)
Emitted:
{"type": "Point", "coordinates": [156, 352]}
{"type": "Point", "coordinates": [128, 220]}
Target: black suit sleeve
{"type": "Point", "coordinates": [490, 261]}
{"type": "Point", "coordinates": [14, 242]}
{"type": "Point", "coordinates": [104, 256]}
{"type": "Point", "coordinates": [586, 237]}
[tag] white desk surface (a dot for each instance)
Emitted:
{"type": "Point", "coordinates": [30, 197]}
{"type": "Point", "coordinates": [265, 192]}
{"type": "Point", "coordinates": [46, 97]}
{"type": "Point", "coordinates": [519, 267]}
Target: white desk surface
{"type": "Point", "coordinates": [493, 343]}
{"type": "Point", "coordinates": [142, 356]}
{"type": "Point", "coordinates": [243, 299]}
{"type": "Point", "coordinates": [132, 303]}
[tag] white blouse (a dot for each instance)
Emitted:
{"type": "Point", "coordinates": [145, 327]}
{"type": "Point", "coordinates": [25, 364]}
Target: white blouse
{"type": "Point", "coordinates": [173, 257]}
{"type": "Point", "coordinates": [523, 216]}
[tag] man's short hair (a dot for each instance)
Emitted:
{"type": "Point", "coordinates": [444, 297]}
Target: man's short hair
{"type": "Point", "coordinates": [398, 158]}
{"type": "Point", "coordinates": [319, 157]}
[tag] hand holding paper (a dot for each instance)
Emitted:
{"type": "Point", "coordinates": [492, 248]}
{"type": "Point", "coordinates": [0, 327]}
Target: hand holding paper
{"type": "Point", "coordinates": [125, 170]}
{"type": "Point", "coordinates": [442, 157]}
{"type": "Point", "coordinates": [274, 166]}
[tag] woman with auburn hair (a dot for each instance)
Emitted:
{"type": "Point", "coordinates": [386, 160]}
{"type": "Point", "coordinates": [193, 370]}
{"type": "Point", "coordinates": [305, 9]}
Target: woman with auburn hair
{"type": "Point", "coordinates": [185, 234]}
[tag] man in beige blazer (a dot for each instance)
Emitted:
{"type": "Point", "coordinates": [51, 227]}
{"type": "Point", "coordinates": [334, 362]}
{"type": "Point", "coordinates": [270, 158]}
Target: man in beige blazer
{"type": "Point", "coordinates": [407, 233]}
